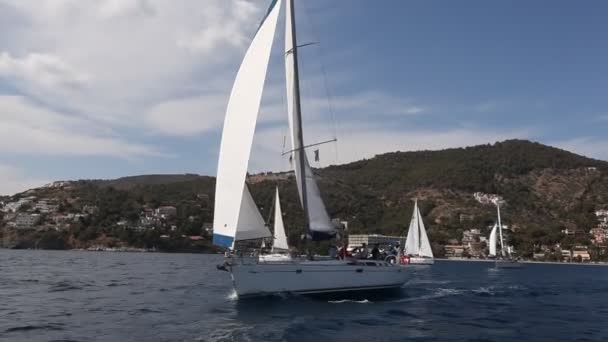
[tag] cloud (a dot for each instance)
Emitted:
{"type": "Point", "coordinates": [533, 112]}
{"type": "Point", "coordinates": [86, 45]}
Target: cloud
{"type": "Point", "coordinates": [187, 117]}
{"type": "Point", "coordinates": [228, 33]}
{"type": "Point", "coordinates": [28, 129]}
{"type": "Point", "coordinates": [14, 180]}
{"type": "Point", "coordinates": [41, 70]}
{"type": "Point", "coordinates": [113, 59]}
{"type": "Point", "coordinates": [365, 140]}
{"type": "Point", "coordinates": [587, 146]}
{"type": "Point", "coordinates": [121, 8]}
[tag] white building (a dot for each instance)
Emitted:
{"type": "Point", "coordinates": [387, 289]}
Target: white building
{"type": "Point", "coordinates": [25, 221]}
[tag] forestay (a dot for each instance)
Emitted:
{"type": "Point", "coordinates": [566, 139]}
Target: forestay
{"type": "Point", "coordinates": [236, 216]}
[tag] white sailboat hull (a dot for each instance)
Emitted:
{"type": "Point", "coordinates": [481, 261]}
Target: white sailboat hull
{"type": "Point", "coordinates": [313, 277]}
{"type": "Point", "coordinates": [420, 260]}
{"type": "Point", "coordinates": [507, 263]}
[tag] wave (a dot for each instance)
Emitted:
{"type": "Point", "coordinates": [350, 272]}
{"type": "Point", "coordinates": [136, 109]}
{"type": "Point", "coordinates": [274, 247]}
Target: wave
{"type": "Point", "coordinates": [426, 282]}
{"type": "Point", "coordinates": [56, 327]}
{"type": "Point", "coordinates": [364, 301]}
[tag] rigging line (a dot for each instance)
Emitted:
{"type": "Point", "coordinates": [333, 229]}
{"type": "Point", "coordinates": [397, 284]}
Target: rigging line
{"type": "Point", "coordinates": [334, 124]}
{"type": "Point", "coordinates": [311, 145]}
{"type": "Point", "coordinates": [270, 212]}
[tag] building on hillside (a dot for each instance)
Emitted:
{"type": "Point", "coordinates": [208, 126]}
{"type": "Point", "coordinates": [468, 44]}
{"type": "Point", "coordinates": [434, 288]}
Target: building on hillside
{"type": "Point", "coordinates": [357, 240]}
{"type": "Point", "coordinates": [583, 255]}
{"type": "Point", "coordinates": [539, 256]}
{"type": "Point", "coordinates": [14, 206]}
{"type": "Point", "coordinates": [569, 231]}
{"type": "Point", "coordinates": [472, 242]}
{"type": "Point", "coordinates": [46, 206]}
{"type": "Point", "coordinates": [566, 255]}
{"type": "Point", "coordinates": [26, 221]}
{"type": "Point", "coordinates": [454, 251]}
{"type": "Point", "coordinates": [487, 198]}
{"type": "Point", "coordinates": [166, 211]}
{"type": "Point", "coordinates": [598, 235]}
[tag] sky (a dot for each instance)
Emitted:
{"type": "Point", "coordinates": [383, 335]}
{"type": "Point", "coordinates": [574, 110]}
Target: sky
{"type": "Point", "coordinates": [95, 89]}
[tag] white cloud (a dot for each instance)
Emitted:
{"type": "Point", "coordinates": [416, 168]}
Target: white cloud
{"type": "Point", "coordinates": [41, 70]}
{"type": "Point", "coordinates": [14, 180]}
{"type": "Point", "coordinates": [33, 130]}
{"type": "Point", "coordinates": [113, 59]}
{"type": "Point", "coordinates": [364, 140]}
{"type": "Point", "coordinates": [187, 117]}
{"type": "Point", "coordinates": [587, 146]}
{"type": "Point", "coordinates": [121, 8]}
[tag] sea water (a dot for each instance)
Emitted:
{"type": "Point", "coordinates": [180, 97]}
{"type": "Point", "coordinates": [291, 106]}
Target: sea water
{"type": "Point", "coordinates": [101, 296]}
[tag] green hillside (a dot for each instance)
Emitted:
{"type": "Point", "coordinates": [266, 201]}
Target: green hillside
{"type": "Point", "coordinates": [546, 190]}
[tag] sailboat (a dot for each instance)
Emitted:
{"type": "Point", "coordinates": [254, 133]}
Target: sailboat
{"type": "Point", "coordinates": [505, 259]}
{"type": "Point", "coordinates": [417, 245]}
{"type": "Point", "coordinates": [280, 248]}
{"type": "Point", "coordinates": [237, 218]}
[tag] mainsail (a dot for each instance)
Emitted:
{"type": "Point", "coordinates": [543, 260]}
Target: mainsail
{"type": "Point", "coordinates": [319, 223]}
{"type": "Point", "coordinates": [417, 242]}
{"type": "Point", "coordinates": [236, 216]}
{"type": "Point", "coordinates": [280, 239]}
{"type": "Point", "coordinates": [493, 241]}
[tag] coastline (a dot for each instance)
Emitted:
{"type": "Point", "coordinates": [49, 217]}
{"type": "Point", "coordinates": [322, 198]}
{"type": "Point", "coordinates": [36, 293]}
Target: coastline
{"type": "Point", "coordinates": [528, 262]}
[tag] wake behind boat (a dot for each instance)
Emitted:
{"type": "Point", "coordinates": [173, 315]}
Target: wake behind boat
{"type": "Point", "coordinates": [237, 217]}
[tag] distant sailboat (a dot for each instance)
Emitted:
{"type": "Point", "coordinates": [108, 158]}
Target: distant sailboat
{"type": "Point", "coordinates": [492, 241]}
{"type": "Point", "coordinates": [417, 245]}
{"type": "Point", "coordinates": [280, 248]}
{"type": "Point", "coordinates": [236, 216]}
{"type": "Point", "coordinates": [506, 259]}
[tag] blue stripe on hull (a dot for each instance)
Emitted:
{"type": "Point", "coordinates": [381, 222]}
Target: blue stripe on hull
{"type": "Point", "coordinates": [223, 240]}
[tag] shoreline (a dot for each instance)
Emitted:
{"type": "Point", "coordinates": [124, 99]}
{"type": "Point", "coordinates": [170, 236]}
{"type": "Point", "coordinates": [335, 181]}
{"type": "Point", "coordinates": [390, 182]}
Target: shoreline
{"type": "Point", "coordinates": [602, 263]}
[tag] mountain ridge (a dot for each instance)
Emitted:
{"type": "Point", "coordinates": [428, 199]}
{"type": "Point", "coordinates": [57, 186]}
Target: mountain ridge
{"type": "Point", "coordinates": [546, 190]}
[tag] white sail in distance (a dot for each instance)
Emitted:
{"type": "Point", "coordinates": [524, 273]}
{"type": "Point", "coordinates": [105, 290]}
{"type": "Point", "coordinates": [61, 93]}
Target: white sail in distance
{"type": "Point", "coordinates": [234, 217]}
{"type": "Point", "coordinates": [318, 218]}
{"type": "Point", "coordinates": [280, 238]}
{"type": "Point", "coordinates": [417, 242]}
{"type": "Point", "coordinates": [492, 241]}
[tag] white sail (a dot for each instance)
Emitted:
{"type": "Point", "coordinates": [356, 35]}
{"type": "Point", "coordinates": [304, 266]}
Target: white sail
{"type": "Point", "coordinates": [251, 224]}
{"type": "Point", "coordinates": [425, 245]}
{"type": "Point", "coordinates": [412, 242]}
{"type": "Point", "coordinates": [234, 217]}
{"type": "Point", "coordinates": [492, 241]}
{"type": "Point", "coordinates": [417, 242]}
{"type": "Point", "coordinates": [280, 239]}
{"type": "Point", "coordinates": [318, 219]}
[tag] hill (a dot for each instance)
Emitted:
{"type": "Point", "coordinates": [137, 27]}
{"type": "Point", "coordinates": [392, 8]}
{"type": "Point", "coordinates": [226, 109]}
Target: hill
{"type": "Point", "coordinates": [546, 190]}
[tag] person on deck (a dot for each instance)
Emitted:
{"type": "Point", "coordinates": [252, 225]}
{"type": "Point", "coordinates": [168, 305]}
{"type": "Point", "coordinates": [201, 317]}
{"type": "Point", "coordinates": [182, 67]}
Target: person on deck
{"type": "Point", "coordinates": [375, 252]}
{"type": "Point", "coordinates": [343, 252]}
{"type": "Point", "coordinates": [363, 253]}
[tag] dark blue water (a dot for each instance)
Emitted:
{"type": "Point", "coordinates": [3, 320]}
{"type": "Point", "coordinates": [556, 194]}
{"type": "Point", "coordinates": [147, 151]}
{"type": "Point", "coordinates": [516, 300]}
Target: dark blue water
{"type": "Point", "coordinates": [87, 296]}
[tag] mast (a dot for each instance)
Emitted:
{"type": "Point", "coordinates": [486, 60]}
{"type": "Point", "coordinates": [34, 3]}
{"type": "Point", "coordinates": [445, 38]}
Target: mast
{"type": "Point", "coordinates": [298, 114]}
{"type": "Point", "coordinates": [502, 246]}
{"type": "Point", "coordinates": [418, 230]}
